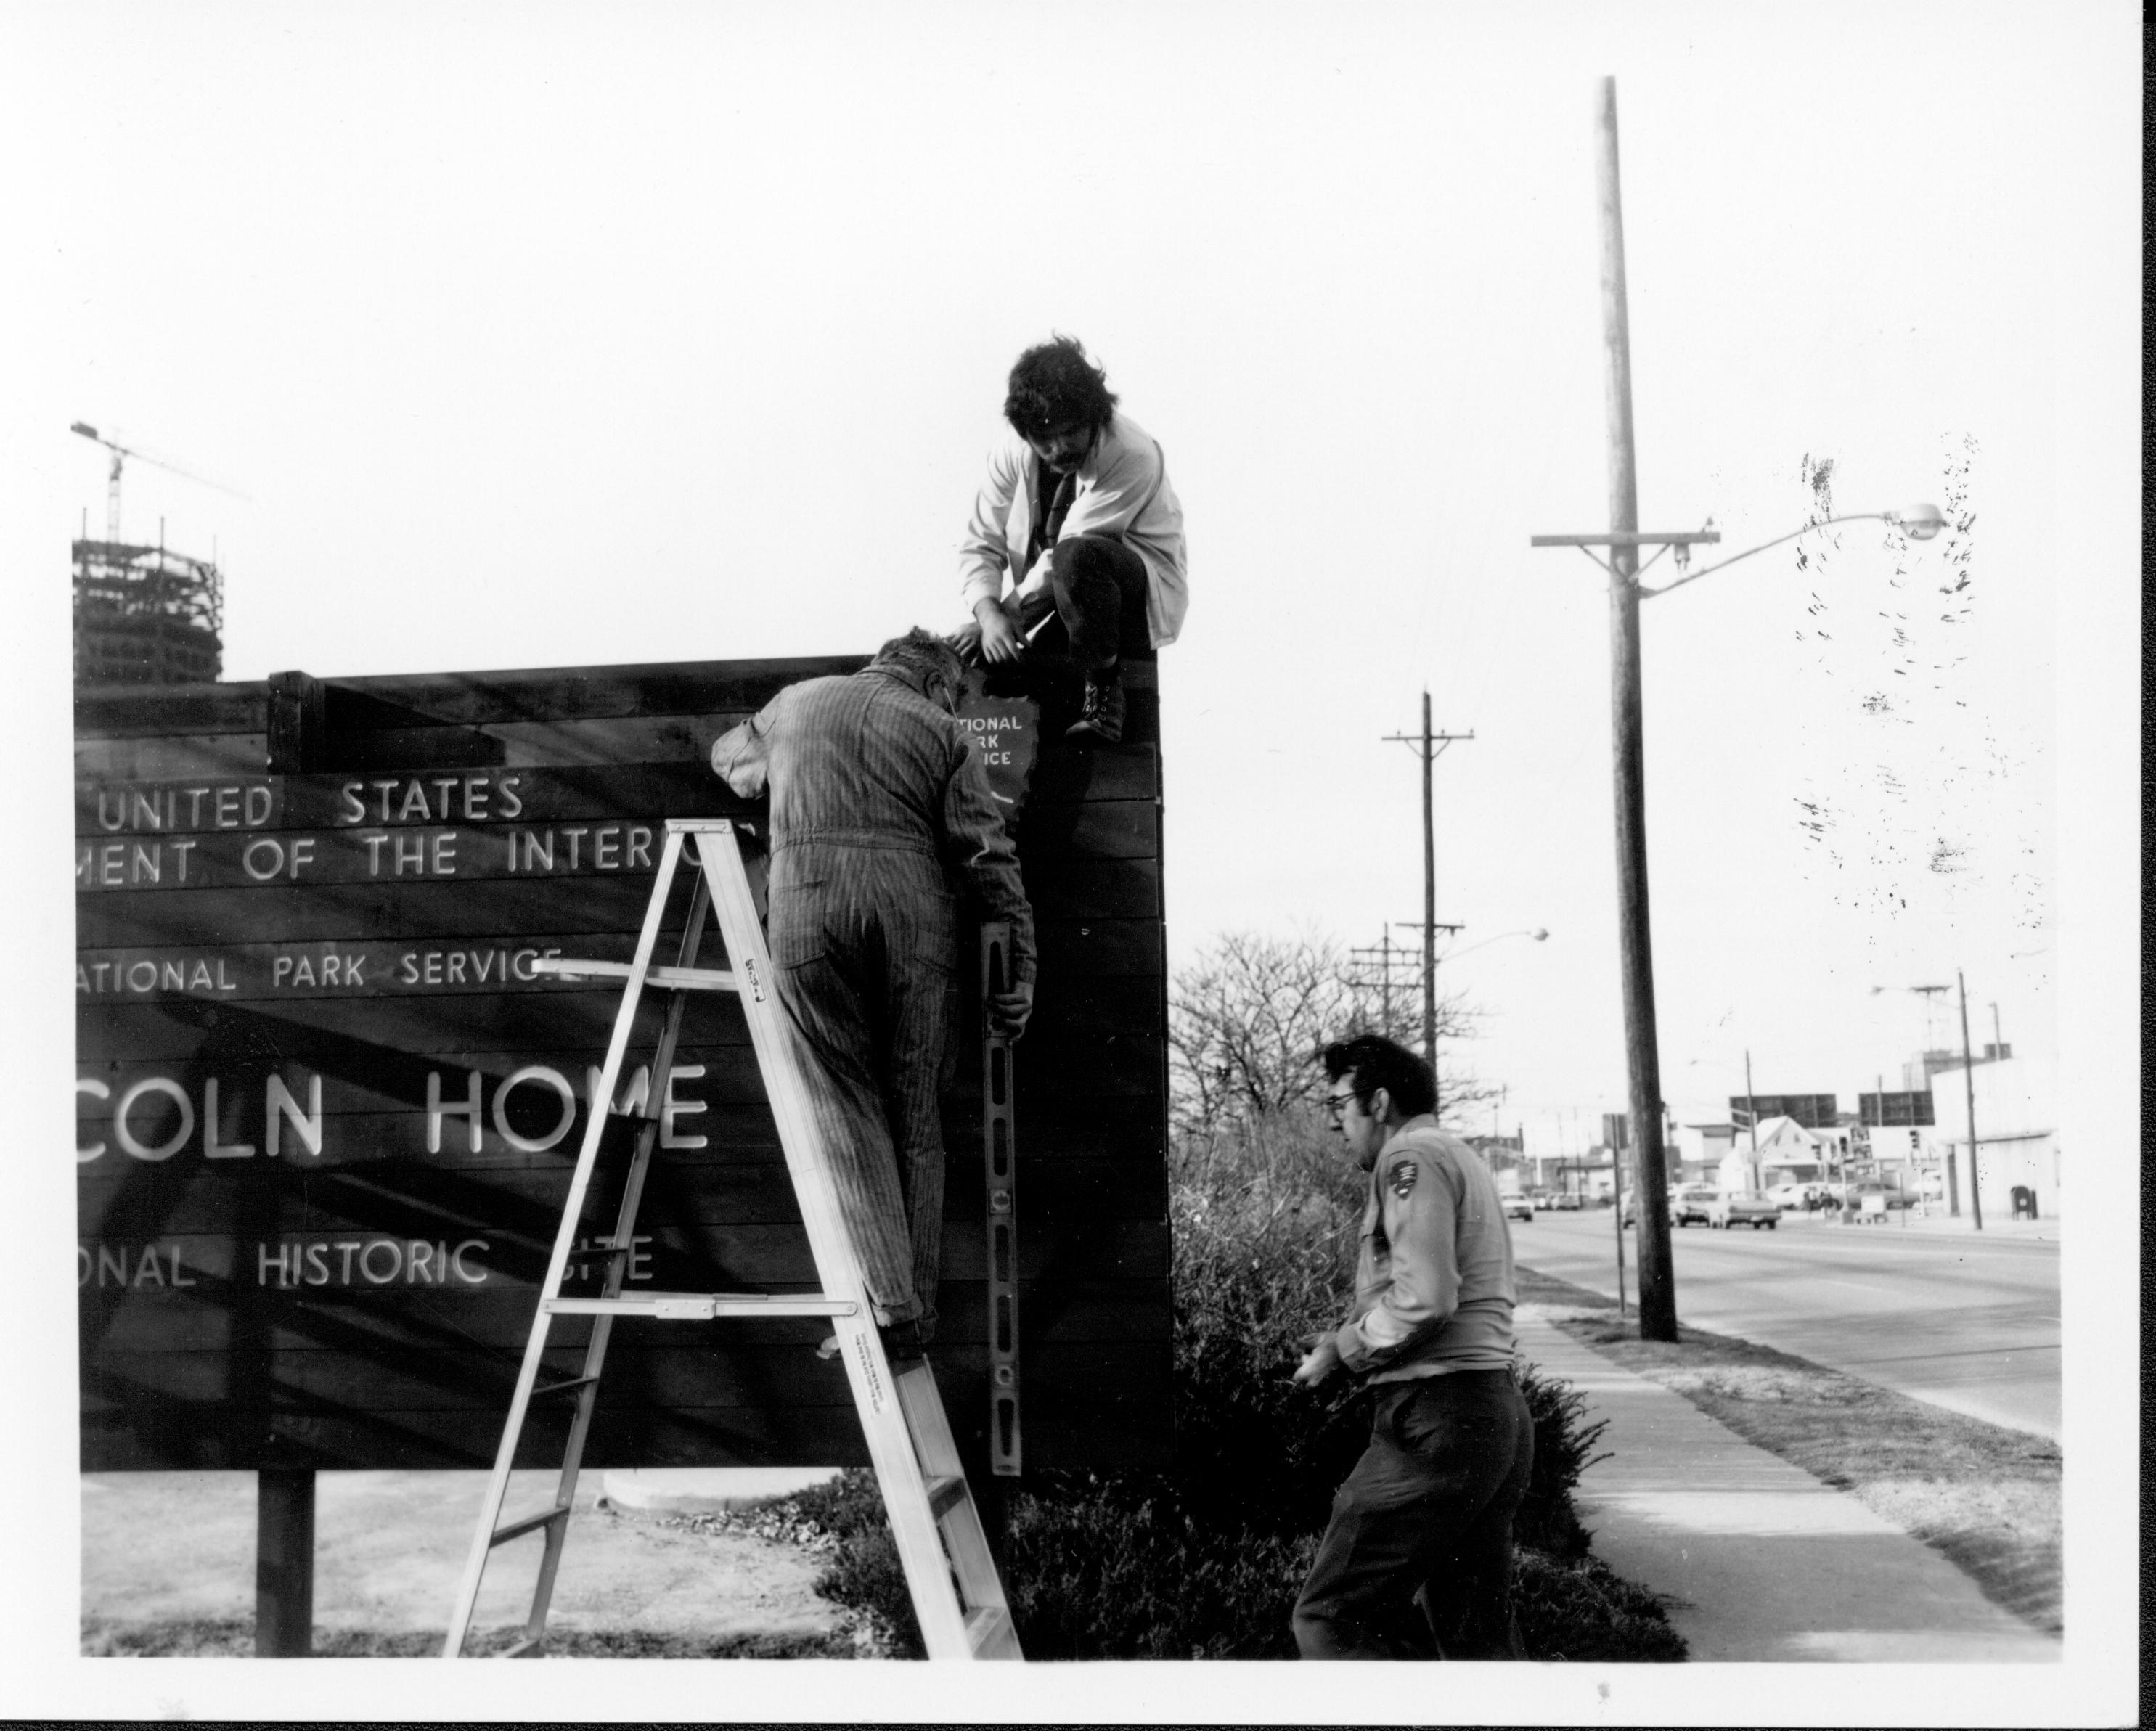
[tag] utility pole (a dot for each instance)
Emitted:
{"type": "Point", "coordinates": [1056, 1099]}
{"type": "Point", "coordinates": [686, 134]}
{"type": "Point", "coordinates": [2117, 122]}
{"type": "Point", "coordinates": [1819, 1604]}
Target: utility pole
{"type": "Point", "coordinates": [1968, 1082]}
{"type": "Point", "coordinates": [1658, 1310]}
{"type": "Point", "coordinates": [1386, 955]}
{"type": "Point", "coordinates": [1427, 746]}
{"type": "Point", "coordinates": [1752, 1117]}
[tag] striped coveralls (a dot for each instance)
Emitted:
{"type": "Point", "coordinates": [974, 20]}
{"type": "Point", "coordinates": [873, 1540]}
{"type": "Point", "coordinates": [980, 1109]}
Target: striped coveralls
{"type": "Point", "coordinates": [875, 792]}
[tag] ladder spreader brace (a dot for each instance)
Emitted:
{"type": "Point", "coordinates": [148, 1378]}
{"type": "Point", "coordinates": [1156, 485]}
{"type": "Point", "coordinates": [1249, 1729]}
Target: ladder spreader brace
{"type": "Point", "coordinates": [958, 1597]}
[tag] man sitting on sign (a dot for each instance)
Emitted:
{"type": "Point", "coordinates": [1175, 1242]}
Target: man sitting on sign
{"type": "Point", "coordinates": [1078, 510]}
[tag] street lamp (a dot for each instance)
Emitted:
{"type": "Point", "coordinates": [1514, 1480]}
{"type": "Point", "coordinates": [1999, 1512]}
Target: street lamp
{"type": "Point", "coordinates": [1658, 1316]}
{"type": "Point", "coordinates": [1539, 934]}
{"type": "Point", "coordinates": [1969, 1083]}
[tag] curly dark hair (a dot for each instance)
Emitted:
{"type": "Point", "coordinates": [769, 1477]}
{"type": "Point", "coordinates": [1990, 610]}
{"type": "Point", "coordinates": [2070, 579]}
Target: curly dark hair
{"type": "Point", "coordinates": [1053, 386]}
{"type": "Point", "coordinates": [1374, 1062]}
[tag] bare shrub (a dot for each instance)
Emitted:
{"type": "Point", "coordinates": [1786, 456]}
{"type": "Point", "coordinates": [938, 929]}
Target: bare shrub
{"type": "Point", "coordinates": [1248, 1016]}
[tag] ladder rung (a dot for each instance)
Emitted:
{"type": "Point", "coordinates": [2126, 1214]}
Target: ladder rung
{"type": "Point", "coordinates": [532, 1647]}
{"type": "Point", "coordinates": [567, 967]}
{"type": "Point", "coordinates": [703, 1307]}
{"type": "Point", "coordinates": [530, 1523]}
{"type": "Point", "coordinates": [562, 1388]}
{"type": "Point", "coordinates": [945, 1494]}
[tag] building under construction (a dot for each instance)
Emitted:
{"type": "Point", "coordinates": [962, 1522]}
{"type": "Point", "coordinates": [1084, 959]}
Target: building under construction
{"type": "Point", "coordinates": [146, 616]}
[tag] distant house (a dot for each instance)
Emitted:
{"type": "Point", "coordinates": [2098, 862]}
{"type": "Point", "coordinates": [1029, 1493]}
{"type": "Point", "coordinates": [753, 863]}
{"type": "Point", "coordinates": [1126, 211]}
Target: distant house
{"type": "Point", "coordinates": [1788, 1153]}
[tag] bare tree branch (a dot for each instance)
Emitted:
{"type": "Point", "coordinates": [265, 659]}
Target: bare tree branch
{"type": "Point", "coordinates": [1248, 1016]}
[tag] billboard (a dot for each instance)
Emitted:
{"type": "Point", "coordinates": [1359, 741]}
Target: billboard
{"type": "Point", "coordinates": [1813, 1111]}
{"type": "Point", "coordinates": [327, 1108]}
{"type": "Point", "coordinates": [1912, 1107]}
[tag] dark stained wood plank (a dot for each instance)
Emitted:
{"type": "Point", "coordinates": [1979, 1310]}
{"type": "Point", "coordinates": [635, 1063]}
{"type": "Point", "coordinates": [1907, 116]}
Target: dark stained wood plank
{"type": "Point", "coordinates": [678, 1253]}
{"type": "Point", "coordinates": [386, 702]}
{"type": "Point", "coordinates": [172, 757]}
{"type": "Point", "coordinates": [232, 706]}
{"type": "Point", "coordinates": [216, 1439]}
{"type": "Point", "coordinates": [1058, 1196]}
{"type": "Point", "coordinates": [421, 911]}
{"type": "Point", "coordinates": [366, 1323]}
{"type": "Point", "coordinates": [1059, 884]}
{"type": "Point", "coordinates": [550, 1021]}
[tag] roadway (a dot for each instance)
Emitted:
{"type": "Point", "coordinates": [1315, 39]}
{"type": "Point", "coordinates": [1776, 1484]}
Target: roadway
{"type": "Point", "coordinates": [1932, 1310]}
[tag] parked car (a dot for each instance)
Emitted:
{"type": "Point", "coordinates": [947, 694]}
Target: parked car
{"type": "Point", "coordinates": [1893, 1198]}
{"type": "Point", "coordinates": [1788, 1196]}
{"type": "Point", "coordinates": [1566, 1202]}
{"type": "Point", "coordinates": [1541, 1198]}
{"type": "Point", "coordinates": [1743, 1208]}
{"type": "Point", "coordinates": [1691, 1203]}
{"type": "Point", "coordinates": [1519, 1207]}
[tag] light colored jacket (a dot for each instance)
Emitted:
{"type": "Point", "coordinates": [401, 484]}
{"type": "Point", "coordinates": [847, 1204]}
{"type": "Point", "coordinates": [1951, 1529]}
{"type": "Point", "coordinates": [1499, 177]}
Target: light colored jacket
{"type": "Point", "coordinates": [1434, 1284]}
{"type": "Point", "coordinates": [1123, 489]}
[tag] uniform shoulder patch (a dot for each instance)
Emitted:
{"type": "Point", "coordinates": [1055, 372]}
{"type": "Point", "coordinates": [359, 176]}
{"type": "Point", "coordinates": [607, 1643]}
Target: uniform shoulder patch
{"type": "Point", "coordinates": [1400, 1176]}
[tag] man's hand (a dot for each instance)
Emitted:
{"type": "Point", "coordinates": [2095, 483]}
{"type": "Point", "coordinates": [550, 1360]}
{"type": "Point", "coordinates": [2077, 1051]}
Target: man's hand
{"type": "Point", "coordinates": [1322, 1361]}
{"type": "Point", "coordinates": [997, 637]}
{"type": "Point", "coordinates": [1009, 1010]}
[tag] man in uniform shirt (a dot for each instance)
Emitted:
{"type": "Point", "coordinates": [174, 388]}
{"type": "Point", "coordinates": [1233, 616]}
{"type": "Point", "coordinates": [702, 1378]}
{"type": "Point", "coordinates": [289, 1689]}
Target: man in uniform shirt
{"type": "Point", "coordinates": [1077, 508]}
{"type": "Point", "coordinates": [1425, 1518]}
{"type": "Point", "coordinates": [875, 792]}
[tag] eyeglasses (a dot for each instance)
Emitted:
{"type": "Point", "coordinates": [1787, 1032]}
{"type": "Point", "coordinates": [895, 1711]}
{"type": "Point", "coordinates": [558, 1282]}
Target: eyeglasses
{"type": "Point", "coordinates": [1336, 1104]}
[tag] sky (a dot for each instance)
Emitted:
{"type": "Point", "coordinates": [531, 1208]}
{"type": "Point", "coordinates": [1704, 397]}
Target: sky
{"type": "Point", "coordinates": [682, 334]}
{"type": "Point", "coordinates": [561, 335]}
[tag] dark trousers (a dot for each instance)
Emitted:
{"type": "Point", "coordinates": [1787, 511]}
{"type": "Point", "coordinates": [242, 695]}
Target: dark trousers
{"type": "Point", "coordinates": [865, 944]}
{"type": "Point", "coordinates": [1097, 586]}
{"type": "Point", "coordinates": [1417, 1561]}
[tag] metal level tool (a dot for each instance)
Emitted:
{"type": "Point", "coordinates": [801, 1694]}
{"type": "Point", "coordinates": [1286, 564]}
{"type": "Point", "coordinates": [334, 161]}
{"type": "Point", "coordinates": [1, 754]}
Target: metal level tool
{"type": "Point", "coordinates": [957, 1595]}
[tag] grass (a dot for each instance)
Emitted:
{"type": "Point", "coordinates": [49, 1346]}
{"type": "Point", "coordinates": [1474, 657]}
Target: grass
{"type": "Point", "coordinates": [1984, 1496]}
{"type": "Point", "coordinates": [233, 1638]}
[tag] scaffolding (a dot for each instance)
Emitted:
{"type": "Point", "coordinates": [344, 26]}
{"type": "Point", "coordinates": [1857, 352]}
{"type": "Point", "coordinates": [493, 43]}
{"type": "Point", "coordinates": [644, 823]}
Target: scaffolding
{"type": "Point", "coordinates": [146, 616]}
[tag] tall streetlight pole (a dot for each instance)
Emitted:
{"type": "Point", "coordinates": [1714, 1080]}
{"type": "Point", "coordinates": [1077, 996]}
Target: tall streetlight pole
{"type": "Point", "coordinates": [1968, 1082]}
{"type": "Point", "coordinates": [1968, 1085]}
{"type": "Point", "coordinates": [1658, 1302]}
{"type": "Point", "coordinates": [1643, 1069]}
{"type": "Point", "coordinates": [1752, 1116]}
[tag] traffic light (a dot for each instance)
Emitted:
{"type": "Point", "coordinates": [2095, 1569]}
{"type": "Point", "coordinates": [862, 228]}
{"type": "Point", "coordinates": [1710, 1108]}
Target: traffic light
{"type": "Point", "coordinates": [1914, 1144]}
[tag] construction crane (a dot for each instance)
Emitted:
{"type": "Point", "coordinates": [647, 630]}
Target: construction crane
{"type": "Point", "coordinates": [120, 454]}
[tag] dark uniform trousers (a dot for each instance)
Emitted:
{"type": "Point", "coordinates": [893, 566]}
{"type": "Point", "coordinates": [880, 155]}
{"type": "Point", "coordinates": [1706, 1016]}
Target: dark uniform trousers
{"type": "Point", "coordinates": [865, 940]}
{"type": "Point", "coordinates": [1424, 1524]}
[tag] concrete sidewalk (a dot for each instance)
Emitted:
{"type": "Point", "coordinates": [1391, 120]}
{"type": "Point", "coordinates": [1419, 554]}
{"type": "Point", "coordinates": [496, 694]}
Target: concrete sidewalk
{"type": "Point", "coordinates": [1765, 1562]}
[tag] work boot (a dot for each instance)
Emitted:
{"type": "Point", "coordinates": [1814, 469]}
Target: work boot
{"type": "Point", "coordinates": [908, 1339]}
{"type": "Point", "coordinates": [1101, 718]}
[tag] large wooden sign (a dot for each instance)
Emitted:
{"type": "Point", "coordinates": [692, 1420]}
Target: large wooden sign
{"type": "Point", "coordinates": [327, 1108]}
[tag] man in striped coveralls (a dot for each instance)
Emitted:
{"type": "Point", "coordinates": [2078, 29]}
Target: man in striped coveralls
{"type": "Point", "coordinates": [878, 801]}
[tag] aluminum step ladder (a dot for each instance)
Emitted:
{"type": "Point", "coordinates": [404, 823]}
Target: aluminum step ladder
{"type": "Point", "coordinates": [958, 1597]}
